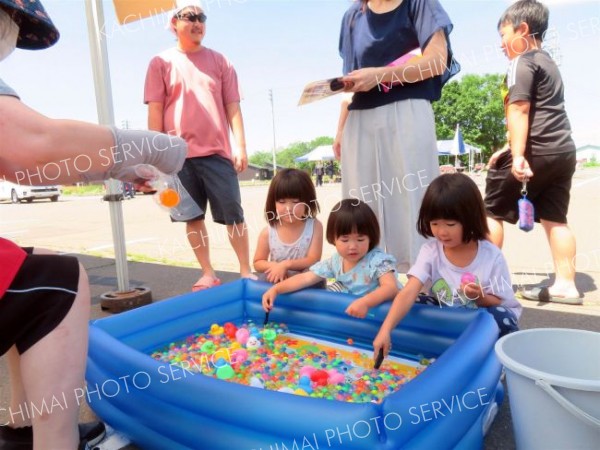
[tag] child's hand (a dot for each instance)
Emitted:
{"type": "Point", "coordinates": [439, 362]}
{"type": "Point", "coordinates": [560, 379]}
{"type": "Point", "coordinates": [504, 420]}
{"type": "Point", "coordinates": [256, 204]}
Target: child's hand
{"type": "Point", "coordinates": [268, 299]}
{"type": "Point", "coordinates": [276, 273]}
{"type": "Point", "coordinates": [520, 168]}
{"type": "Point", "coordinates": [382, 341]}
{"type": "Point", "coordinates": [358, 308]}
{"type": "Point", "coordinates": [472, 291]}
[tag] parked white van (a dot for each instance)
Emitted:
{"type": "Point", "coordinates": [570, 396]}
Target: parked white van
{"type": "Point", "coordinates": [19, 192]}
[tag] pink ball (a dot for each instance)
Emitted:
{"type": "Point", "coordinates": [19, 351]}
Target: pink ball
{"type": "Point", "coordinates": [239, 356]}
{"type": "Point", "coordinates": [468, 278]}
{"type": "Point", "coordinates": [242, 335]}
{"type": "Point", "coordinates": [335, 377]}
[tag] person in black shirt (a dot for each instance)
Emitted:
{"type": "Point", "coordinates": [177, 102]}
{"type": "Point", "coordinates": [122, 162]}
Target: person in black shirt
{"type": "Point", "coordinates": [540, 152]}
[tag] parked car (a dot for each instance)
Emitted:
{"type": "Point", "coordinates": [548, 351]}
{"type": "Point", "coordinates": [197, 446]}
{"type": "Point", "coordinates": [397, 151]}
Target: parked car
{"type": "Point", "coordinates": [18, 192]}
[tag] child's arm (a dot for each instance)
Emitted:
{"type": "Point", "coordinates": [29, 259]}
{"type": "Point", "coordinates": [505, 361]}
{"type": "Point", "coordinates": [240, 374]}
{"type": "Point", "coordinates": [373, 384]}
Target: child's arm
{"type": "Point", "coordinates": [474, 291]}
{"type": "Point", "coordinates": [517, 120]}
{"type": "Point", "coordinates": [261, 255]}
{"type": "Point", "coordinates": [387, 289]}
{"type": "Point", "coordinates": [400, 307]}
{"type": "Point", "coordinates": [292, 284]}
{"type": "Point", "coordinates": [277, 271]}
{"type": "Point", "coordinates": [496, 289]}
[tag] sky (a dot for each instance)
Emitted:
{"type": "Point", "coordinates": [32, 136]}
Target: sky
{"type": "Point", "coordinates": [280, 46]}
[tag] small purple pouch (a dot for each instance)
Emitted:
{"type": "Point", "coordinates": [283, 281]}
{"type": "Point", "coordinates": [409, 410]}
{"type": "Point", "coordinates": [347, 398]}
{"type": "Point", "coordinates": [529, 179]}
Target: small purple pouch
{"type": "Point", "coordinates": [526, 211]}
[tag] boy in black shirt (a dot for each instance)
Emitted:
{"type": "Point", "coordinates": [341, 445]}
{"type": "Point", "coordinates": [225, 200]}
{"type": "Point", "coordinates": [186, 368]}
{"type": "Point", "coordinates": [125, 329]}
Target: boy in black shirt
{"type": "Point", "coordinates": [542, 152]}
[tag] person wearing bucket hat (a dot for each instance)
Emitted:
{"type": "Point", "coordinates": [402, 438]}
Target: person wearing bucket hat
{"type": "Point", "coordinates": [194, 90]}
{"type": "Point", "coordinates": [36, 30]}
{"type": "Point", "coordinates": [44, 297]}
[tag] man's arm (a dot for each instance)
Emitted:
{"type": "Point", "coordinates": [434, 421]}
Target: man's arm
{"type": "Point", "coordinates": [155, 116]}
{"type": "Point", "coordinates": [236, 122]}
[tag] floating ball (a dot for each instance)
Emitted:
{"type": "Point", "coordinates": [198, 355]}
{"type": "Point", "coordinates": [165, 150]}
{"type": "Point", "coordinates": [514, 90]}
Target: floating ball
{"type": "Point", "coordinates": [169, 198]}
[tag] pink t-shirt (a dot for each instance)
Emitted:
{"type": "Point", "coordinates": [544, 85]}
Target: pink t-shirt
{"type": "Point", "coordinates": [194, 88]}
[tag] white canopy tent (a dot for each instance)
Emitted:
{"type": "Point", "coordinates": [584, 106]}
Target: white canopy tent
{"type": "Point", "coordinates": [321, 153]}
{"type": "Point", "coordinates": [457, 146]}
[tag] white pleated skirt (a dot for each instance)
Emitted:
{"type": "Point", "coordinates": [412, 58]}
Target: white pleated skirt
{"type": "Point", "coordinates": [389, 157]}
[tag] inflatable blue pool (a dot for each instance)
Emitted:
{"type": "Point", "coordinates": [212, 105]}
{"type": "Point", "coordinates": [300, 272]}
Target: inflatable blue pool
{"type": "Point", "coordinates": [160, 406]}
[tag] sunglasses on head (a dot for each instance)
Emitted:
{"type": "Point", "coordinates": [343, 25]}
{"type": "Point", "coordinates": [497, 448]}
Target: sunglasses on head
{"type": "Point", "coordinates": [190, 17]}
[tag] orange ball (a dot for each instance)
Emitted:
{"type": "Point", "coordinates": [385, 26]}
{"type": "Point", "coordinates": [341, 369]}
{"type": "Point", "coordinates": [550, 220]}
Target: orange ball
{"type": "Point", "coordinates": [169, 198]}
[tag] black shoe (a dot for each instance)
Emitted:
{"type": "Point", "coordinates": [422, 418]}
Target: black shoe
{"type": "Point", "coordinates": [22, 438]}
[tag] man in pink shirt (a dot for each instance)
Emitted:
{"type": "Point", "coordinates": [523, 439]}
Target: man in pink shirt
{"type": "Point", "coordinates": [192, 92]}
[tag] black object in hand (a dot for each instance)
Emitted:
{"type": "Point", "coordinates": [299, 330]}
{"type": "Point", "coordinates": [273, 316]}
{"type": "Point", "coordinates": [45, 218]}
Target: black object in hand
{"type": "Point", "coordinates": [266, 318]}
{"type": "Point", "coordinates": [379, 359]}
{"type": "Point", "coordinates": [336, 84]}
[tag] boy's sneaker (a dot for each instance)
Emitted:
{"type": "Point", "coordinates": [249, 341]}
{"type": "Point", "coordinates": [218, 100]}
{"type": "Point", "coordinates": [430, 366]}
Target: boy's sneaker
{"type": "Point", "coordinates": [22, 438]}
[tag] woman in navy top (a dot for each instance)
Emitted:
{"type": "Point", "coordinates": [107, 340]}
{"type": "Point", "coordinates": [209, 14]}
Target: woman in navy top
{"type": "Point", "coordinates": [386, 133]}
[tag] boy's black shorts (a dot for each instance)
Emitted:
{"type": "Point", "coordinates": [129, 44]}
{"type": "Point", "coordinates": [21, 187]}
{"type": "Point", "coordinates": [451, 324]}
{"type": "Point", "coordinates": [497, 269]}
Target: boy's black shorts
{"type": "Point", "coordinates": [548, 190]}
{"type": "Point", "coordinates": [37, 300]}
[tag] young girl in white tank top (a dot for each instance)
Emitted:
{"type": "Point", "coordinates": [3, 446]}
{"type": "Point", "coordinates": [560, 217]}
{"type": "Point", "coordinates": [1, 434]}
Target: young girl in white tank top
{"type": "Point", "coordinates": [293, 240]}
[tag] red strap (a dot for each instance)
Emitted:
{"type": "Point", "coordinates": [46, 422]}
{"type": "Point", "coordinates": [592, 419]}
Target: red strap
{"type": "Point", "coordinates": [11, 259]}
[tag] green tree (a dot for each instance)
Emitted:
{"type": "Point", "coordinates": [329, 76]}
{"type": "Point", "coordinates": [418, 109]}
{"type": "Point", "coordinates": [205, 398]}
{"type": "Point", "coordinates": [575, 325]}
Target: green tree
{"type": "Point", "coordinates": [285, 157]}
{"type": "Point", "coordinates": [475, 103]}
{"type": "Point", "coordinates": [262, 158]}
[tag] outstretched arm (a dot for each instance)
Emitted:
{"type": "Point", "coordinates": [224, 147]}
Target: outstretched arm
{"type": "Point", "coordinates": [295, 283]}
{"type": "Point", "coordinates": [34, 144]}
{"type": "Point", "coordinates": [37, 150]}
{"type": "Point", "coordinates": [402, 304]}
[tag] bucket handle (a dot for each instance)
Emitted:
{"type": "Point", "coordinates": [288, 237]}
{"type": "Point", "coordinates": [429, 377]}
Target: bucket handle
{"type": "Point", "coordinates": [576, 411]}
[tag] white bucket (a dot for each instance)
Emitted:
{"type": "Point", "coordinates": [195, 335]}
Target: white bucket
{"type": "Point", "coordinates": [553, 377]}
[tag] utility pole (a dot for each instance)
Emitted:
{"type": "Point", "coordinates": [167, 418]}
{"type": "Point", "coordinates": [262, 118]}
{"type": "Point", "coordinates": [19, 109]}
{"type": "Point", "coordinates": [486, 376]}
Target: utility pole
{"type": "Point", "coordinates": [274, 144]}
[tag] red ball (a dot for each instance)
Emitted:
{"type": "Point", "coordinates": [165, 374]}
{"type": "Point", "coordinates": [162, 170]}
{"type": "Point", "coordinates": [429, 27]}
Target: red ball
{"type": "Point", "coordinates": [319, 377]}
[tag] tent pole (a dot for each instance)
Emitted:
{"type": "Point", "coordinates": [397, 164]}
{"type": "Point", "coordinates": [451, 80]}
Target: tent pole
{"type": "Point", "coordinates": [104, 106]}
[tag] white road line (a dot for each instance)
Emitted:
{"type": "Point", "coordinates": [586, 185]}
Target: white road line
{"type": "Point", "coordinates": [591, 180]}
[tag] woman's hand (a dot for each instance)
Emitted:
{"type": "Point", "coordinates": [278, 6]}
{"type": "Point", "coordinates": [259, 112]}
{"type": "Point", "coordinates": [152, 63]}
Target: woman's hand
{"type": "Point", "coordinates": [362, 80]}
